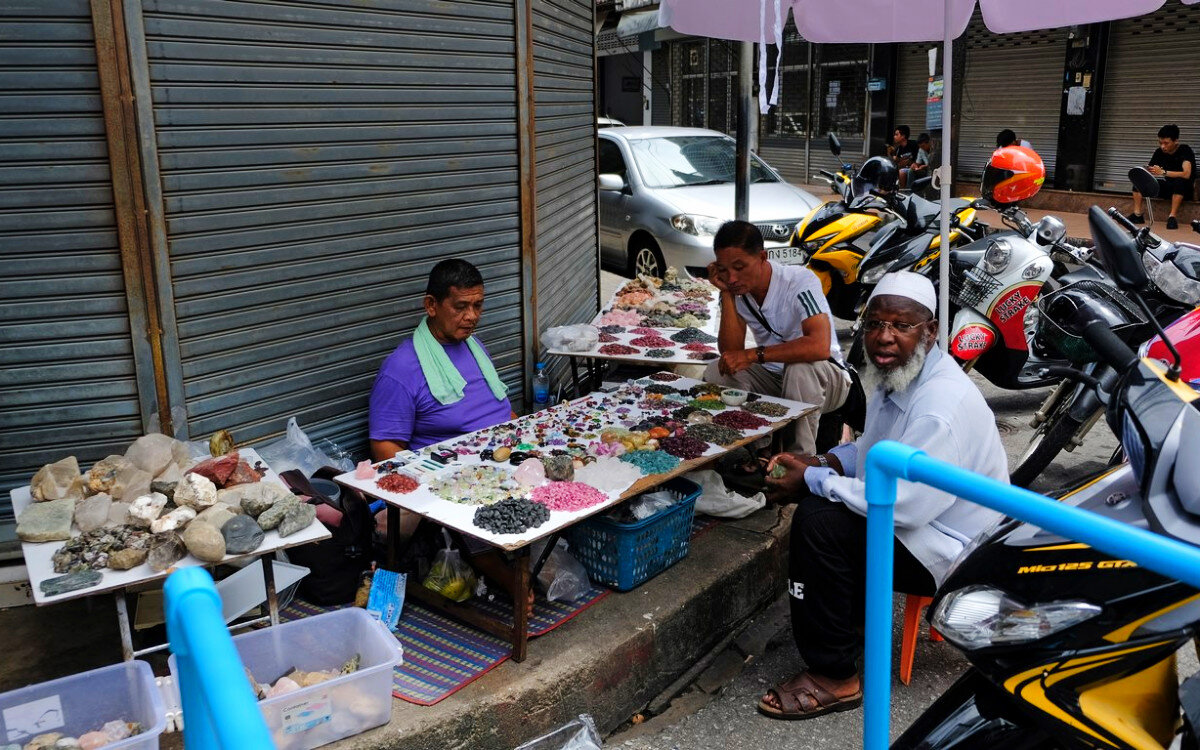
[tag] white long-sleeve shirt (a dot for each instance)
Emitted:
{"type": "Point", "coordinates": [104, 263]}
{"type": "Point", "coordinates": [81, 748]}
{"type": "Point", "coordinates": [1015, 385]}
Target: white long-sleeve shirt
{"type": "Point", "coordinates": [943, 414]}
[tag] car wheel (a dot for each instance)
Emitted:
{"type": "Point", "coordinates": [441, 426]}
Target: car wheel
{"type": "Point", "coordinates": [646, 259]}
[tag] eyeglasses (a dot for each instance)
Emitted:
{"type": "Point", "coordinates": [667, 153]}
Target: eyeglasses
{"type": "Point", "coordinates": [875, 326]}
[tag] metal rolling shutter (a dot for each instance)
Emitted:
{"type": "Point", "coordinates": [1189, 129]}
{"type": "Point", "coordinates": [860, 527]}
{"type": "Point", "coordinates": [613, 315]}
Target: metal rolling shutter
{"type": "Point", "coordinates": [912, 86]}
{"type": "Point", "coordinates": [1151, 79]}
{"type": "Point", "coordinates": [316, 161]}
{"type": "Point", "coordinates": [787, 157]}
{"type": "Point", "coordinates": [68, 385]}
{"type": "Point", "coordinates": [1012, 81]}
{"type": "Point", "coordinates": [568, 264]}
{"type": "Point", "coordinates": [660, 70]}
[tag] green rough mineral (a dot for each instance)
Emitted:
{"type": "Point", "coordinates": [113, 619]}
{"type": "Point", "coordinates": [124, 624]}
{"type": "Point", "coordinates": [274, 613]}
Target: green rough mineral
{"type": "Point", "coordinates": [70, 582]}
{"type": "Point", "coordinates": [48, 521]}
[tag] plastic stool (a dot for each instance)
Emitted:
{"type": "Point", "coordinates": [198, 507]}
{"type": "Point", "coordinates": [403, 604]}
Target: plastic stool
{"type": "Point", "coordinates": [912, 628]}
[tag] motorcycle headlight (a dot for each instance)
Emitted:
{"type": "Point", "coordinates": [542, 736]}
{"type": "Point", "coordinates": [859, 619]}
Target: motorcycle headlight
{"type": "Point", "coordinates": [997, 256]}
{"type": "Point", "coordinates": [873, 275]}
{"type": "Point", "coordinates": [1172, 281]}
{"type": "Point", "coordinates": [699, 226]}
{"type": "Point", "coordinates": [979, 616]}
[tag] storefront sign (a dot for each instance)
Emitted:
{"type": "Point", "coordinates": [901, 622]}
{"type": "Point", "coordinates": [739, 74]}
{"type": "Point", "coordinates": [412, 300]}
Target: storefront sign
{"type": "Point", "coordinates": [933, 104]}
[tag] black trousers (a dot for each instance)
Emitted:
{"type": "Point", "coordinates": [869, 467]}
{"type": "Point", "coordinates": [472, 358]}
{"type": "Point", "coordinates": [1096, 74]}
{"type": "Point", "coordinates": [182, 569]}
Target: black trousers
{"type": "Point", "coordinates": [827, 573]}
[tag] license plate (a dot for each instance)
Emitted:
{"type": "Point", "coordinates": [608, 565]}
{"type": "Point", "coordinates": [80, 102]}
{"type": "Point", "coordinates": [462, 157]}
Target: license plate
{"type": "Point", "coordinates": [786, 254]}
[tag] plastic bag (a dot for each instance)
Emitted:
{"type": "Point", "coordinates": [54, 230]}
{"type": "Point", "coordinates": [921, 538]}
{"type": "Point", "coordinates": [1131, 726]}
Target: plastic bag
{"type": "Point", "coordinates": [295, 451]}
{"type": "Point", "coordinates": [577, 734]}
{"type": "Point", "coordinates": [718, 500]}
{"type": "Point", "coordinates": [449, 575]}
{"type": "Point", "coordinates": [576, 338]}
{"type": "Point", "coordinates": [562, 576]}
{"type": "Point", "coordinates": [644, 506]}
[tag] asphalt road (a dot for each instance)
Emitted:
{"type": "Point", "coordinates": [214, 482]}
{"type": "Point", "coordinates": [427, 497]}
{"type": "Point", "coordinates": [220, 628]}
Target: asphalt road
{"type": "Point", "coordinates": [725, 716]}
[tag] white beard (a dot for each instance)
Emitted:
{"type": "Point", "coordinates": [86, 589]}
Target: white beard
{"type": "Point", "coordinates": [898, 378]}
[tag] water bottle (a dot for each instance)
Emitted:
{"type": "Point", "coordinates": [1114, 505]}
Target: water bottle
{"type": "Point", "coordinates": [541, 388]}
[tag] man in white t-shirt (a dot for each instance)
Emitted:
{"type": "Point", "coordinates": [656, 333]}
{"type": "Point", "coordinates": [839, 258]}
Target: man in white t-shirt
{"type": "Point", "coordinates": [797, 356]}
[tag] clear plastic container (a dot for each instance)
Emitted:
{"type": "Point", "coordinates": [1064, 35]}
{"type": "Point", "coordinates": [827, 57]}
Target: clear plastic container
{"type": "Point", "coordinates": [334, 709]}
{"type": "Point", "coordinates": [83, 703]}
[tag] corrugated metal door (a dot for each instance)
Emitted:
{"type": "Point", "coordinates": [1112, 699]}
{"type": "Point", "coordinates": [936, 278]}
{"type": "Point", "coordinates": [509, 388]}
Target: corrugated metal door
{"type": "Point", "coordinates": [69, 382]}
{"type": "Point", "coordinates": [316, 161]}
{"type": "Point", "coordinates": [912, 87]}
{"type": "Point", "coordinates": [1152, 78]}
{"type": "Point", "coordinates": [568, 267]}
{"type": "Point", "coordinates": [660, 70]}
{"type": "Point", "coordinates": [1011, 81]}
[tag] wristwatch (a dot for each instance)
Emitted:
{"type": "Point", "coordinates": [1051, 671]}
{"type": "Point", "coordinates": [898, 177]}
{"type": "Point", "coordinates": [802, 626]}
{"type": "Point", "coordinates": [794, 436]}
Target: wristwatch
{"type": "Point", "coordinates": [761, 353]}
{"type": "Point", "coordinates": [824, 462]}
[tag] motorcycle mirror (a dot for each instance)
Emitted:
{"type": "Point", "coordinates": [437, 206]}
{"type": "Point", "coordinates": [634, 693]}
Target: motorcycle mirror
{"type": "Point", "coordinates": [835, 145]}
{"type": "Point", "coordinates": [1117, 250]}
{"type": "Point", "coordinates": [1144, 182]}
{"type": "Point", "coordinates": [980, 203]}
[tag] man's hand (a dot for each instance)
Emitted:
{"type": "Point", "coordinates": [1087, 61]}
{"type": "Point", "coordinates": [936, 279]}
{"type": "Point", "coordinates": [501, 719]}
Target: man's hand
{"type": "Point", "coordinates": [714, 277]}
{"type": "Point", "coordinates": [794, 466]}
{"type": "Point", "coordinates": [1157, 171]}
{"type": "Point", "coordinates": [733, 362]}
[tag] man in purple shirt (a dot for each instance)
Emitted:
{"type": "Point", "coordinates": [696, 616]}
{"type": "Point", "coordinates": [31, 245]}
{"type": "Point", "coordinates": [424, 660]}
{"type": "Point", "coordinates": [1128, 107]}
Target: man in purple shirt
{"type": "Point", "coordinates": [404, 413]}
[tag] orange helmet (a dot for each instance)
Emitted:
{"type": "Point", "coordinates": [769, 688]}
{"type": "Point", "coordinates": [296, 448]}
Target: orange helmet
{"type": "Point", "coordinates": [1013, 174]}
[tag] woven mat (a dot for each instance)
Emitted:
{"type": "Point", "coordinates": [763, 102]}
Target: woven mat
{"type": "Point", "coordinates": [442, 655]}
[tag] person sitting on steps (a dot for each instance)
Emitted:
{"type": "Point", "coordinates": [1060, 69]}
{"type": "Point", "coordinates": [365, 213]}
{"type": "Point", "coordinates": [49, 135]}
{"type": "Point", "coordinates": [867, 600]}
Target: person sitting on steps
{"type": "Point", "coordinates": [1174, 164]}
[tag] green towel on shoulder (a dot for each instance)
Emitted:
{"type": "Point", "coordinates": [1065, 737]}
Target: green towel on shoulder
{"type": "Point", "coordinates": [445, 382]}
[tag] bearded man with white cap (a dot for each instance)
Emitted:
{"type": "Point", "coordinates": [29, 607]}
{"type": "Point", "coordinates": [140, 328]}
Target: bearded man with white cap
{"type": "Point", "coordinates": [917, 396]}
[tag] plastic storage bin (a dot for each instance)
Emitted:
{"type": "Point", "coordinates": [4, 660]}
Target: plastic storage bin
{"type": "Point", "coordinates": [83, 703]}
{"type": "Point", "coordinates": [623, 556]}
{"type": "Point", "coordinates": [334, 709]}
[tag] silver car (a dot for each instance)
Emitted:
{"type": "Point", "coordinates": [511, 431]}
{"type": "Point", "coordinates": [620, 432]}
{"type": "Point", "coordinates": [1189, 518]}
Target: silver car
{"type": "Point", "coordinates": [664, 192]}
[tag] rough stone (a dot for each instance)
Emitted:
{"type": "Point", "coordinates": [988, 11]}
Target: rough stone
{"type": "Point", "coordinates": [204, 541]}
{"type": "Point", "coordinates": [218, 515]}
{"type": "Point", "coordinates": [297, 518]}
{"type": "Point", "coordinates": [151, 453]}
{"type": "Point", "coordinates": [242, 535]}
{"type": "Point", "coordinates": [173, 520]}
{"type": "Point", "coordinates": [125, 559]}
{"type": "Point", "coordinates": [118, 513]}
{"type": "Point", "coordinates": [92, 512]}
{"type": "Point", "coordinates": [196, 492]}
{"type": "Point", "coordinates": [130, 483]}
{"type": "Point", "coordinates": [70, 582]}
{"type": "Point", "coordinates": [60, 480]}
{"type": "Point", "coordinates": [165, 551]}
{"type": "Point", "coordinates": [48, 521]}
{"type": "Point", "coordinates": [258, 497]}
{"type": "Point", "coordinates": [271, 517]}
{"type": "Point", "coordinates": [146, 508]}
{"type": "Point", "coordinates": [170, 475]}
{"type": "Point", "coordinates": [104, 472]}
{"type": "Point", "coordinates": [165, 488]}
{"type": "Point", "coordinates": [559, 468]}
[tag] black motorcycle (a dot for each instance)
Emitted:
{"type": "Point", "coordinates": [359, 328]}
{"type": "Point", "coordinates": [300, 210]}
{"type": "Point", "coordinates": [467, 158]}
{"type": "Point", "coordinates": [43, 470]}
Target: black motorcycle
{"type": "Point", "coordinates": [1069, 647]}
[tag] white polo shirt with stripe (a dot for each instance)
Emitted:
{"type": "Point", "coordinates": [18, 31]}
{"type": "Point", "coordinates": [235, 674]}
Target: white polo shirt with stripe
{"type": "Point", "coordinates": [793, 296]}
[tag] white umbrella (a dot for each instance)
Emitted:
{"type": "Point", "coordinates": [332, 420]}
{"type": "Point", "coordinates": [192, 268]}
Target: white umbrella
{"type": "Point", "coordinates": [881, 21]}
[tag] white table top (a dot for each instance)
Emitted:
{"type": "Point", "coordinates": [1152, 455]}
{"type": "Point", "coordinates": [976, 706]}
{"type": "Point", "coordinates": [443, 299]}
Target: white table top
{"type": "Point", "coordinates": [460, 517]}
{"type": "Point", "coordinates": [38, 555]}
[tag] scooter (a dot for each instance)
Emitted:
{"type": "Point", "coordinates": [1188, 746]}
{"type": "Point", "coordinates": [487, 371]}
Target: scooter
{"type": "Point", "coordinates": [1072, 409]}
{"type": "Point", "coordinates": [1068, 646]}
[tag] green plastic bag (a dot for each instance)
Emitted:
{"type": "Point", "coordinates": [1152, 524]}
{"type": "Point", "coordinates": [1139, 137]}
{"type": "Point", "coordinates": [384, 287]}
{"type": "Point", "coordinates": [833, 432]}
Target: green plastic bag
{"type": "Point", "coordinates": [449, 575]}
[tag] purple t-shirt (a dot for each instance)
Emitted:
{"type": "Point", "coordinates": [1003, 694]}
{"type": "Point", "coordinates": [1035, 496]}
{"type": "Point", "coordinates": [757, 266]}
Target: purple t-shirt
{"type": "Point", "coordinates": [403, 409]}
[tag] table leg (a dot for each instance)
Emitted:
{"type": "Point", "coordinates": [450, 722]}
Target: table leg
{"type": "Point", "coordinates": [551, 541]}
{"type": "Point", "coordinates": [575, 376]}
{"type": "Point", "coordinates": [268, 563]}
{"type": "Point", "coordinates": [520, 635]}
{"type": "Point", "coordinates": [123, 625]}
{"type": "Point", "coordinates": [393, 537]}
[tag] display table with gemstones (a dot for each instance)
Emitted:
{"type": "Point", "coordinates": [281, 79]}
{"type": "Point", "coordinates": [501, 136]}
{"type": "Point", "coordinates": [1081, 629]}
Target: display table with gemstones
{"type": "Point", "coordinates": [530, 478]}
{"type": "Point", "coordinates": [135, 518]}
{"type": "Point", "coordinates": [672, 302]}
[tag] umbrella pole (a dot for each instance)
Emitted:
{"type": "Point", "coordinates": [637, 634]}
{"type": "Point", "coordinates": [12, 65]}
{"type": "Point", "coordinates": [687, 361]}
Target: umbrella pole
{"type": "Point", "coordinates": [946, 179]}
{"type": "Point", "coordinates": [741, 192]}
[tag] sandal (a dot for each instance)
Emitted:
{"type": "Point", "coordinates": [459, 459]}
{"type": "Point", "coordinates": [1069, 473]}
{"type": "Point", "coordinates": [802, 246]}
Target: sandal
{"type": "Point", "coordinates": [802, 697]}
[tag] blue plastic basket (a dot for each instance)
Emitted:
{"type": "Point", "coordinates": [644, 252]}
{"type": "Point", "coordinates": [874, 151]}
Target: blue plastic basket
{"type": "Point", "coordinates": [623, 556]}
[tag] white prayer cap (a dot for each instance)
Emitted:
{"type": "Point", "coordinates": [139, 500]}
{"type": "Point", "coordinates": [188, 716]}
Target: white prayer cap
{"type": "Point", "coordinates": [910, 285]}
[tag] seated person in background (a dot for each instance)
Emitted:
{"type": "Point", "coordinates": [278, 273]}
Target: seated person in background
{"type": "Point", "coordinates": [797, 356]}
{"type": "Point", "coordinates": [902, 149]}
{"type": "Point", "coordinates": [917, 396]}
{"type": "Point", "coordinates": [920, 165]}
{"type": "Point", "coordinates": [440, 383]}
{"type": "Point", "coordinates": [1007, 137]}
{"type": "Point", "coordinates": [1174, 164]}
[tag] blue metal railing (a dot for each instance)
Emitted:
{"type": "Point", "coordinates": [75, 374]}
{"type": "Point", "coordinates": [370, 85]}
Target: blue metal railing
{"type": "Point", "coordinates": [888, 461]}
{"type": "Point", "coordinates": [220, 710]}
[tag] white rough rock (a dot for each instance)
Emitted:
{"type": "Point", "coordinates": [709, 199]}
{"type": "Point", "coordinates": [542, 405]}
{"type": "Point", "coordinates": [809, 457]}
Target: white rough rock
{"type": "Point", "coordinates": [146, 508]}
{"type": "Point", "coordinates": [172, 520]}
{"type": "Point", "coordinates": [195, 491]}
